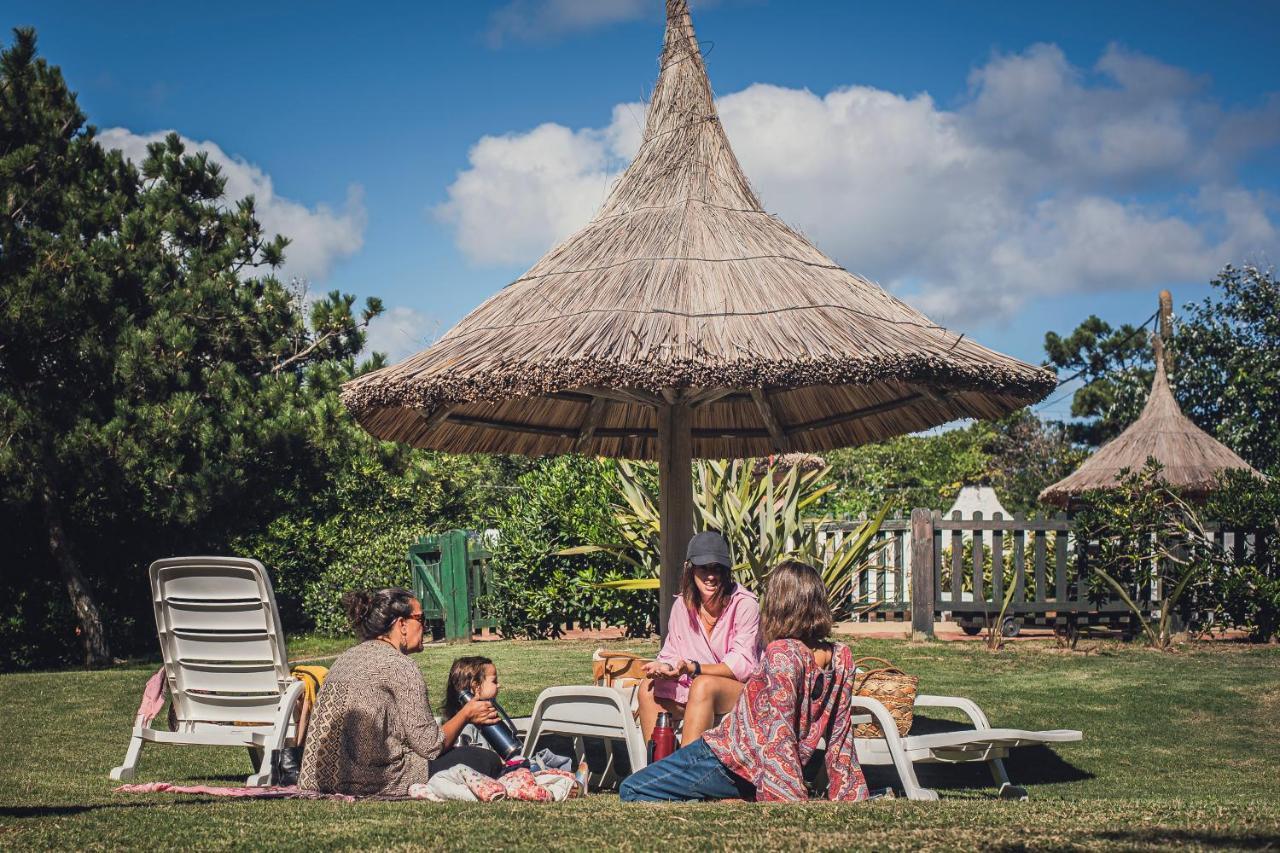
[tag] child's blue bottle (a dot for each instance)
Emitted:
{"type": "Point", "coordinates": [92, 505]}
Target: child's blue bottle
{"type": "Point", "coordinates": [500, 735]}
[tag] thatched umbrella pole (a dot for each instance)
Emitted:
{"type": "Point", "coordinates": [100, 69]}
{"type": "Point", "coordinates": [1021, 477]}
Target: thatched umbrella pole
{"type": "Point", "coordinates": [1166, 323]}
{"type": "Point", "coordinates": [675, 499]}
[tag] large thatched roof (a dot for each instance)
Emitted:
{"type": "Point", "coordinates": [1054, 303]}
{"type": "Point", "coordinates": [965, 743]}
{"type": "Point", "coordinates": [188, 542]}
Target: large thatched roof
{"type": "Point", "coordinates": [683, 288]}
{"type": "Point", "coordinates": [1192, 458]}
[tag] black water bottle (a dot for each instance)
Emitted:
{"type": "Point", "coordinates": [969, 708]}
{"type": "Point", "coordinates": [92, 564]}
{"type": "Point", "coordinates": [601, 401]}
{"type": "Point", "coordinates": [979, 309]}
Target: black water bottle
{"type": "Point", "coordinates": [500, 735]}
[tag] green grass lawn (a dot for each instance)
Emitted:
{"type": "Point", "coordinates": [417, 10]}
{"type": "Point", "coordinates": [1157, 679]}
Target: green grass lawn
{"type": "Point", "coordinates": [1179, 749]}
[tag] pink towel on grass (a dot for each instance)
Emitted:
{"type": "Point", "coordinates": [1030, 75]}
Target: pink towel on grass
{"type": "Point", "coordinates": [271, 793]}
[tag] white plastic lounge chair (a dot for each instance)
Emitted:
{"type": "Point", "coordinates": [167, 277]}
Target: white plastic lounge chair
{"type": "Point", "coordinates": [981, 743]}
{"type": "Point", "coordinates": [608, 713]}
{"type": "Point", "coordinates": [588, 712]}
{"type": "Point", "coordinates": [224, 660]}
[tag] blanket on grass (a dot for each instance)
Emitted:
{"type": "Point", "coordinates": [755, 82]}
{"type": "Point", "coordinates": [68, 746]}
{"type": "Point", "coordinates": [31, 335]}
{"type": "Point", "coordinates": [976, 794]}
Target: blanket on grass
{"type": "Point", "coordinates": [458, 783]}
{"type": "Point", "coordinates": [273, 792]}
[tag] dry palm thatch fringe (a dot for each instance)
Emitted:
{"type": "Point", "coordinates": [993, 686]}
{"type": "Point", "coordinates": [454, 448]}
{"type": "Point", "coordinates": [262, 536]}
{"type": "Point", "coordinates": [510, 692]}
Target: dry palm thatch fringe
{"type": "Point", "coordinates": [1192, 458]}
{"type": "Point", "coordinates": [780, 465]}
{"type": "Point", "coordinates": [682, 287]}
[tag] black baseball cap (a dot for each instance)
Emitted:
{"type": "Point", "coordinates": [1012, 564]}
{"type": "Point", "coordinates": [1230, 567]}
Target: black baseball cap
{"type": "Point", "coordinates": [708, 547]}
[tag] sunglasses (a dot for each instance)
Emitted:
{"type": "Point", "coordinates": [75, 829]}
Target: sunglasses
{"type": "Point", "coordinates": [420, 618]}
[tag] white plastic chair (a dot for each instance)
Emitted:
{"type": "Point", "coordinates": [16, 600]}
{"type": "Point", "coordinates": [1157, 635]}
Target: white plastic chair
{"type": "Point", "coordinates": [224, 660]}
{"type": "Point", "coordinates": [588, 712]}
{"type": "Point", "coordinates": [608, 713]}
{"type": "Point", "coordinates": [981, 743]}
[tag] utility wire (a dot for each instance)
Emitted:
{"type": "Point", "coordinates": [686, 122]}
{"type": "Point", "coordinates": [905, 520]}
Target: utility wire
{"type": "Point", "coordinates": [1079, 372]}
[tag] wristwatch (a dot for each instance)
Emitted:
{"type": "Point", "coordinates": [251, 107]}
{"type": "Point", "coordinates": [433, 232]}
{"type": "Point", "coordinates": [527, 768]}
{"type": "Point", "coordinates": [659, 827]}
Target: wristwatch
{"type": "Point", "coordinates": [697, 668]}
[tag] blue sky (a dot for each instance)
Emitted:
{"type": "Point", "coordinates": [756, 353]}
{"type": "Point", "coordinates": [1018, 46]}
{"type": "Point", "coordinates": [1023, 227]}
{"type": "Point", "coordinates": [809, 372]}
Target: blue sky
{"type": "Point", "coordinates": [1007, 167]}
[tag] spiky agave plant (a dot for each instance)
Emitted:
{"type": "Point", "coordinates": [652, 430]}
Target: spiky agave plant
{"type": "Point", "coordinates": [761, 509]}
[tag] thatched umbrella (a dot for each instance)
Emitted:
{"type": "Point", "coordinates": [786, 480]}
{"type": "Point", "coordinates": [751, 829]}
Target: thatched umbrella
{"type": "Point", "coordinates": [684, 320]}
{"type": "Point", "coordinates": [1192, 458]}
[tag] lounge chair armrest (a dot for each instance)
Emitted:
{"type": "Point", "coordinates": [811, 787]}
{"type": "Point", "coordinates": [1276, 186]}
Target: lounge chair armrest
{"type": "Point", "coordinates": [968, 706]}
{"type": "Point", "coordinates": [289, 700]}
{"type": "Point", "coordinates": [895, 744]}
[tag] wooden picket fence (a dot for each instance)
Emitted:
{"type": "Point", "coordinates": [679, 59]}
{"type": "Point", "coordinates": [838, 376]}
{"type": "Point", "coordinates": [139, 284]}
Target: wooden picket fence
{"type": "Point", "coordinates": [1039, 555]}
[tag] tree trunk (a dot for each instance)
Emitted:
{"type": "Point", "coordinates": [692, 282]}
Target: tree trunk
{"type": "Point", "coordinates": [96, 651]}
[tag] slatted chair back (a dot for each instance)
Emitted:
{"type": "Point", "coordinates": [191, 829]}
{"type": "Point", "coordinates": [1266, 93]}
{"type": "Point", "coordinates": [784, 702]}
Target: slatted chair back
{"type": "Point", "coordinates": [221, 638]}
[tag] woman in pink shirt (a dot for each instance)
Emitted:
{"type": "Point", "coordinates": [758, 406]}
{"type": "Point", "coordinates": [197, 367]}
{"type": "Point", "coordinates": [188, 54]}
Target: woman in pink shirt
{"type": "Point", "coordinates": [711, 647]}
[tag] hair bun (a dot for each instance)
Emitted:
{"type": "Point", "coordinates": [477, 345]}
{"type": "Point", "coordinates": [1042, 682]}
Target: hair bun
{"type": "Point", "coordinates": [373, 611]}
{"type": "Point", "coordinates": [357, 603]}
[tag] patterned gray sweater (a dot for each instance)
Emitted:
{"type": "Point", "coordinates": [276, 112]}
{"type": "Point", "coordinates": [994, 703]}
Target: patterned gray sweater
{"type": "Point", "coordinates": [372, 729]}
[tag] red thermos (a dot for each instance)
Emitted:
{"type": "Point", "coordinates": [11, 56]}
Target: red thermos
{"type": "Point", "coordinates": [664, 737]}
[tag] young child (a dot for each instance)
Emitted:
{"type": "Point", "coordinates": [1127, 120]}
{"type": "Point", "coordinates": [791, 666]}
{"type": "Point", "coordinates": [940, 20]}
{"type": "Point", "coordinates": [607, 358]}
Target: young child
{"type": "Point", "coordinates": [473, 673]}
{"type": "Point", "coordinates": [479, 676]}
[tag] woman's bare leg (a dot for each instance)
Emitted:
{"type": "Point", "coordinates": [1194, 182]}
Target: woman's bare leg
{"type": "Point", "coordinates": [709, 695]}
{"type": "Point", "coordinates": [650, 705]}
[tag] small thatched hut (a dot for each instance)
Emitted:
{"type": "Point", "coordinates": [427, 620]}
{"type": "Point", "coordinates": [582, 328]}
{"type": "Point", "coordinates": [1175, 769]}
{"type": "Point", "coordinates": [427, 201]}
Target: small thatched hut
{"type": "Point", "coordinates": [685, 321]}
{"type": "Point", "coordinates": [1192, 458]}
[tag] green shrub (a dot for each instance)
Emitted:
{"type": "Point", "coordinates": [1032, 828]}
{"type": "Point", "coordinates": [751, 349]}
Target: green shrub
{"type": "Point", "coordinates": [761, 507]}
{"type": "Point", "coordinates": [355, 530]}
{"type": "Point", "coordinates": [1010, 574]}
{"type": "Point", "coordinates": [1140, 531]}
{"type": "Point", "coordinates": [1246, 591]}
{"type": "Point", "coordinates": [561, 502]}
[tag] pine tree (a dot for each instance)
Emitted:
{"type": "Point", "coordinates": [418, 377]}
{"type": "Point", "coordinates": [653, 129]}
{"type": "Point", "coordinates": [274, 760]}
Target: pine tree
{"type": "Point", "coordinates": [157, 382]}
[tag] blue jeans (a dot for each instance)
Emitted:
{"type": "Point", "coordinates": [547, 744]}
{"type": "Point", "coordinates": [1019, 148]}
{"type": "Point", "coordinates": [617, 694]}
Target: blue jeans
{"type": "Point", "coordinates": [690, 773]}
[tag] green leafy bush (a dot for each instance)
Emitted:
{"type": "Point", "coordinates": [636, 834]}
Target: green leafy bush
{"type": "Point", "coordinates": [562, 501]}
{"type": "Point", "coordinates": [1246, 589]}
{"type": "Point", "coordinates": [1140, 532]}
{"type": "Point", "coordinates": [1010, 569]}
{"type": "Point", "coordinates": [909, 470]}
{"type": "Point", "coordinates": [760, 506]}
{"type": "Point", "coordinates": [355, 529]}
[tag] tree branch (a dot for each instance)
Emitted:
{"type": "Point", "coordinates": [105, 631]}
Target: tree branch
{"type": "Point", "coordinates": [298, 356]}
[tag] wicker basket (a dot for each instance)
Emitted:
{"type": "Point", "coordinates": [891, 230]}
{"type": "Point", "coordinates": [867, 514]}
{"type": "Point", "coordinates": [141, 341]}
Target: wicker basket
{"type": "Point", "coordinates": [617, 669]}
{"type": "Point", "coordinates": [894, 688]}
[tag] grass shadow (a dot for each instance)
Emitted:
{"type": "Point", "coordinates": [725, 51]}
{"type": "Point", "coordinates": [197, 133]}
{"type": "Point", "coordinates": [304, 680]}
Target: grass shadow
{"type": "Point", "coordinates": [1165, 837]}
{"type": "Point", "coordinates": [20, 812]}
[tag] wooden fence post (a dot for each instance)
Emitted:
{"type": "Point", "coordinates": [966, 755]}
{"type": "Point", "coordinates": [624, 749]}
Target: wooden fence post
{"type": "Point", "coordinates": [922, 572]}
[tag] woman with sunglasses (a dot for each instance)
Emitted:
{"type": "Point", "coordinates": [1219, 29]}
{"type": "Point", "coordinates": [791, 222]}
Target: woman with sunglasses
{"type": "Point", "coordinates": [712, 643]}
{"type": "Point", "coordinates": [372, 730]}
{"type": "Point", "coordinates": [798, 695]}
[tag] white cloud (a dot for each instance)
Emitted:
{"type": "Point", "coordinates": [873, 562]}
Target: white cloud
{"type": "Point", "coordinates": [320, 235]}
{"type": "Point", "coordinates": [1137, 120]}
{"type": "Point", "coordinates": [1047, 179]}
{"type": "Point", "coordinates": [400, 332]}
{"type": "Point", "coordinates": [525, 191]}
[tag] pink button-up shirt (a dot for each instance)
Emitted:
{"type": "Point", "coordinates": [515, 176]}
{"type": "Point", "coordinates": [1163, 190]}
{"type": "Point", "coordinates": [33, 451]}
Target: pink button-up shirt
{"type": "Point", "coordinates": [733, 642]}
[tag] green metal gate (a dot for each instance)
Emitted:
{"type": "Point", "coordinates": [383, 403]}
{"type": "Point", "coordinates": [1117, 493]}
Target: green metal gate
{"type": "Point", "coordinates": [450, 573]}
